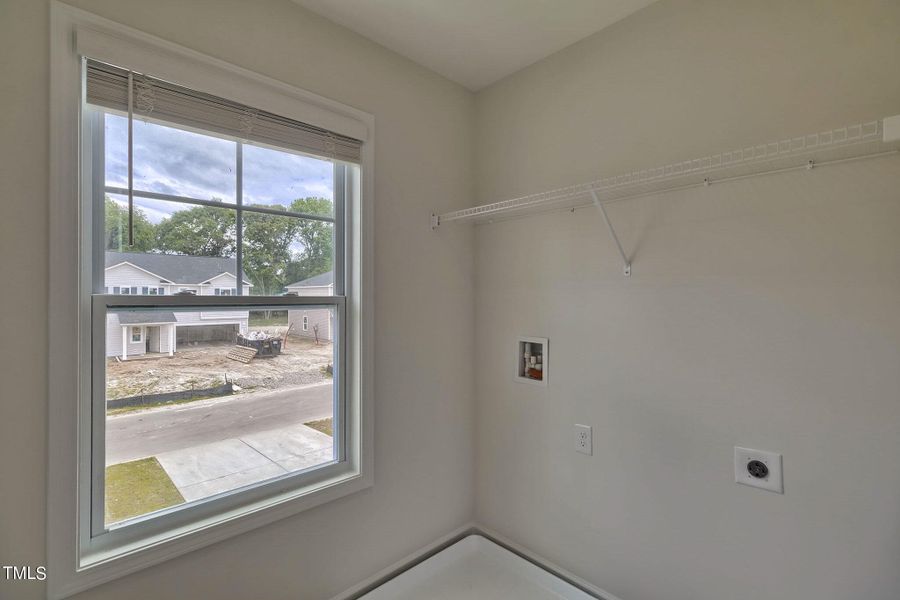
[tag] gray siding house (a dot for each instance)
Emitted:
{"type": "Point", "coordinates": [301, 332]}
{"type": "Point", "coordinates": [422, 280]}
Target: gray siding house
{"type": "Point", "coordinates": [135, 333]}
{"type": "Point", "coordinates": [307, 321]}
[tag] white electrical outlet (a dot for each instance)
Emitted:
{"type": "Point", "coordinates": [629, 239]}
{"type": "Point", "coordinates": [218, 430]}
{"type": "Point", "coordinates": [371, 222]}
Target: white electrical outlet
{"type": "Point", "coordinates": [758, 468]}
{"type": "Point", "coordinates": [583, 441]}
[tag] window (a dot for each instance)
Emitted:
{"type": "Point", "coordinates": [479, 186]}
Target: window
{"type": "Point", "coordinates": [305, 323]}
{"type": "Point", "coordinates": [278, 228]}
{"type": "Point", "coordinates": [261, 200]}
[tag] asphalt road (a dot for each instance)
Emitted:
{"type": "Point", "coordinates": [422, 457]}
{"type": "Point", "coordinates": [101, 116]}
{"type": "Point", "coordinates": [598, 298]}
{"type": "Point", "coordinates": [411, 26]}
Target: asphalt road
{"type": "Point", "coordinates": [146, 433]}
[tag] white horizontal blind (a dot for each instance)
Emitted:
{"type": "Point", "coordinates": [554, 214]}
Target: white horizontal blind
{"type": "Point", "coordinates": [107, 86]}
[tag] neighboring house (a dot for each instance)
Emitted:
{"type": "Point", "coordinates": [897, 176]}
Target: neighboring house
{"type": "Point", "coordinates": [134, 333]}
{"type": "Point", "coordinates": [305, 321]}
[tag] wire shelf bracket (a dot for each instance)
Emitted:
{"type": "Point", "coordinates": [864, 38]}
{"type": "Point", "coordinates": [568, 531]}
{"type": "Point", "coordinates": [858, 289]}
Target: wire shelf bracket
{"type": "Point", "coordinates": [850, 143]}
{"type": "Point", "coordinates": [626, 270]}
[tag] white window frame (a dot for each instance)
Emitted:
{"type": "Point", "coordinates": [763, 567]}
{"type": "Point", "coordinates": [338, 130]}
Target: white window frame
{"type": "Point", "coordinates": [305, 322]}
{"type": "Point", "coordinates": [140, 334]}
{"type": "Point", "coordinates": [75, 566]}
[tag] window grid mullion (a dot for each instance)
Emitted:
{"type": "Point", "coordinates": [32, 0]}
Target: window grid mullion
{"type": "Point", "coordinates": [239, 216]}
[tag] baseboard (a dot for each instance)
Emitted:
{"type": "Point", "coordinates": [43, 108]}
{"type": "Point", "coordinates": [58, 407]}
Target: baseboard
{"type": "Point", "coordinates": [451, 538]}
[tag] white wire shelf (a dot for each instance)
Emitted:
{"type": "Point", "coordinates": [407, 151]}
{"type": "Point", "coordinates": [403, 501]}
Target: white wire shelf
{"type": "Point", "coordinates": [816, 149]}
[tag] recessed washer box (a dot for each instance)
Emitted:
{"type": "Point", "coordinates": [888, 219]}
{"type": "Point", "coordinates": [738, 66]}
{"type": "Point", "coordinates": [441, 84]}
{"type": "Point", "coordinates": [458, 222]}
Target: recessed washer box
{"type": "Point", "coordinates": [532, 360]}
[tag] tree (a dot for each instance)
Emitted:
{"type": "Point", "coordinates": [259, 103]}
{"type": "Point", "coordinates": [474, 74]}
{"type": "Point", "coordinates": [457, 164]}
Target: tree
{"type": "Point", "coordinates": [116, 229]}
{"type": "Point", "coordinates": [198, 231]}
{"type": "Point", "coordinates": [267, 249]}
{"type": "Point", "coordinates": [277, 250]}
{"type": "Point", "coordinates": [317, 238]}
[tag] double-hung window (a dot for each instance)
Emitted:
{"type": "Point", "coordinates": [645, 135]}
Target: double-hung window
{"type": "Point", "coordinates": [229, 203]}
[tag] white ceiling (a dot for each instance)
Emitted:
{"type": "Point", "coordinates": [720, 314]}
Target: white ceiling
{"type": "Point", "coordinates": [475, 42]}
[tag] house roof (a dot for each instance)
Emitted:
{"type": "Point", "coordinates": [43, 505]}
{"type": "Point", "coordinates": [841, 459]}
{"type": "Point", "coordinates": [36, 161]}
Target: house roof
{"type": "Point", "coordinates": [176, 268]}
{"type": "Point", "coordinates": [320, 280]}
{"type": "Point", "coordinates": [144, 317]}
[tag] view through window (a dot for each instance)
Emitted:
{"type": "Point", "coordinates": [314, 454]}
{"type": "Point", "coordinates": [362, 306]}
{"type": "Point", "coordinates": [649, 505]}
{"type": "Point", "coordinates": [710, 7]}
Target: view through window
{"type": "Point", "coordinates": [205, 400]}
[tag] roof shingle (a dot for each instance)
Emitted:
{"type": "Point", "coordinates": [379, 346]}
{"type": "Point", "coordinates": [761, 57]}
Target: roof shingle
{"type": "Point", "coordinates": [177, 268]}
{"type": "Point", "coordinates": [320, 280]}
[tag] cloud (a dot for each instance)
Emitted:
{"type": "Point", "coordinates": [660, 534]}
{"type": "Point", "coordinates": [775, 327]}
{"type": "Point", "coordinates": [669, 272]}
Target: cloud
{"type": "Point", "coordinates": [182, 163]}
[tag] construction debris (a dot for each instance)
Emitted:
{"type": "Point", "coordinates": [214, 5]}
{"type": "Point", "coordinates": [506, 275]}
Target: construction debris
{"type": "Point", "coordinates": [242, 354]}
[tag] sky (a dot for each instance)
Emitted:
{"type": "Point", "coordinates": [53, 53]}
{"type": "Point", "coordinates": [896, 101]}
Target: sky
{"type": "Point", "coordinates": [182, 163]}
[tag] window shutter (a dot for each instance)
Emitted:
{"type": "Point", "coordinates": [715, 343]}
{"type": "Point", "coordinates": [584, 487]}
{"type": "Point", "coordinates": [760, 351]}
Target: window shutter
{"type": "Point", "coordinates": [107, 86]}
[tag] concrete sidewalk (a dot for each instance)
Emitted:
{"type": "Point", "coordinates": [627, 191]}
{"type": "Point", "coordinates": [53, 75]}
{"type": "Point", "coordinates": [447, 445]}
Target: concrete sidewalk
{"type": "Point", "coordinates": [212, 468]}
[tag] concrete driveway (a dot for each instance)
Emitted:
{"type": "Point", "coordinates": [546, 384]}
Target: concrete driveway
{"type": "Point", "coordinates": [202, 471]}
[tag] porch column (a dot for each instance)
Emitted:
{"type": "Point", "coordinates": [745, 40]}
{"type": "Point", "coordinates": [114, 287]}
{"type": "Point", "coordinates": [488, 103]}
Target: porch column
{"type": "Point", "coordinates": [124, 342]}
{"type": "Point", "coordinates": [171, 340]}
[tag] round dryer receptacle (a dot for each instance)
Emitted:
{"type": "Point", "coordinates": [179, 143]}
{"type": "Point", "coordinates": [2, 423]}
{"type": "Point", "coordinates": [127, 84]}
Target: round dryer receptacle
{"type": "Point", "coordinates": [757, 469]}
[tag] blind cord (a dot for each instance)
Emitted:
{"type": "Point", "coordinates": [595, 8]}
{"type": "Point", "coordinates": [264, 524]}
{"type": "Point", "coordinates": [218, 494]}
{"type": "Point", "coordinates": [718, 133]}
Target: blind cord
{"type": "Point", "coordinates": [130, 158]}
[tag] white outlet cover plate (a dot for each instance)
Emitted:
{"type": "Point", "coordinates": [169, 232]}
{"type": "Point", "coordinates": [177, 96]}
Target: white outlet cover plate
{"type": "Point", "coordinates": [774, 482]}
{"type": "Point", "coordinates": [584, 439]}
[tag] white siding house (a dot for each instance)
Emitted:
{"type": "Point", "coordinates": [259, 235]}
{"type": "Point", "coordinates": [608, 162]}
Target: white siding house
{"type": "Point", "coordinates": [305, 322]}
{"type": "Point", "coordinates": [134, 333]}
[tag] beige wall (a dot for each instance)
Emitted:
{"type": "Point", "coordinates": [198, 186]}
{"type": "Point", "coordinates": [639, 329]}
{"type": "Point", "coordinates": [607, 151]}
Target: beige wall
{"type": "Point", "coordinates": [762, 313]}
{"type": "Point", "coordinates": [424, 432]}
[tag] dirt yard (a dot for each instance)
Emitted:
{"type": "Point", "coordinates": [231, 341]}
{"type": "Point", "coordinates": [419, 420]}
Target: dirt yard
{"type": "Point", "coordinates": [202, 366]}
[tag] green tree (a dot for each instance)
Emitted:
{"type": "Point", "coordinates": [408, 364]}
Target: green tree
{"type": "Point", "coordinates": [317, 238]}
{"type": "Point", "coordinates": [116, 229]}
{"type": "Point", "coordinates": [198, 231]}
{"type": "Point", "coordinates": [267, 250]}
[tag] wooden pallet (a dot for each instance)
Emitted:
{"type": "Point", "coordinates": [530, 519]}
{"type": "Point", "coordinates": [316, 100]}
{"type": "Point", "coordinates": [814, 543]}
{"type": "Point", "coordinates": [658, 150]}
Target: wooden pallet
{"type": "Point", "coordinates": [242, 354]}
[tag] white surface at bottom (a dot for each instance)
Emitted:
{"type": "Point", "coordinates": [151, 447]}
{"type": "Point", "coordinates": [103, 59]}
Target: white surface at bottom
{"type": "Point", "coordinates": [476, 568]}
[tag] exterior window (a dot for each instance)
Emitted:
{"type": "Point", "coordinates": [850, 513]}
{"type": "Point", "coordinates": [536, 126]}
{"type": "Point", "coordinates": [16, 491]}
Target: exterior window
{"type": "Point", "coordinates": [186, 188]}
{"type": "Point", "coordinates": [291, 206]}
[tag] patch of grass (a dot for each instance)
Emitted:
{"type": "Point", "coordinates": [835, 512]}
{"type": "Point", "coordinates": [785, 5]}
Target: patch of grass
{"type": "Point", "coordinates": [276, 318]}
{"type": "Point", "coordinates": [323, 425]}
{"type": "Point", "coordinates": [129, 409]}
{"type": "Point", "coordinates": [138, 487]}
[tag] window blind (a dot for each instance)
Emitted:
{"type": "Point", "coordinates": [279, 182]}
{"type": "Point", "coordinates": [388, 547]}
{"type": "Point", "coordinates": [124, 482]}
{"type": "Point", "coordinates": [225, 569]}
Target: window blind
{"type": "Point", "coordinates": [107, 86]}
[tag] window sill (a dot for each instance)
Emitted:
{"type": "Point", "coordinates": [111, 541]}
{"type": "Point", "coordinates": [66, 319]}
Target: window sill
{"type": "Point", "coordinates": [105, 564]}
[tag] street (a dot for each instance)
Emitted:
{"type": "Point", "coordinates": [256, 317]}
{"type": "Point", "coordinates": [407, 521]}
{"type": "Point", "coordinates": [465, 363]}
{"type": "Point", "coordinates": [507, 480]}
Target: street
{"type": "Point", "coordinates": [151, 432]}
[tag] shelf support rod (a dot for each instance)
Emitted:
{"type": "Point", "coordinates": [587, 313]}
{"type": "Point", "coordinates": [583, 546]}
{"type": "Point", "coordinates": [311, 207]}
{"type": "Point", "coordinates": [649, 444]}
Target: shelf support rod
{"type": "Point", "coordinates": [612, 232]}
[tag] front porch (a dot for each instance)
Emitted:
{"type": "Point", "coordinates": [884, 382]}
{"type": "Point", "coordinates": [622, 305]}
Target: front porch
{"type": "Point", "coordinates": [147, 333]}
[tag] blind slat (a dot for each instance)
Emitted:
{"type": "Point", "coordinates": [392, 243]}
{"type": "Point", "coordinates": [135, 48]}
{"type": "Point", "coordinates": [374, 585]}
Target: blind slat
{"type": "Point", "coordinates": [107, 86]}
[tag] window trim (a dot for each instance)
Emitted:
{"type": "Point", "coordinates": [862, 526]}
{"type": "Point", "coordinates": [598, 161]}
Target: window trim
{"type": "Point", "coordinates": [75, 32]}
